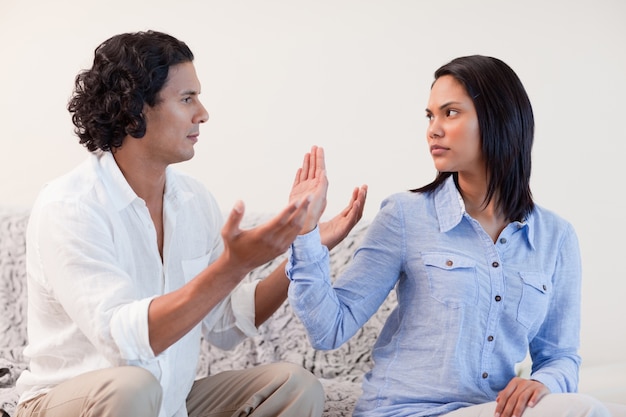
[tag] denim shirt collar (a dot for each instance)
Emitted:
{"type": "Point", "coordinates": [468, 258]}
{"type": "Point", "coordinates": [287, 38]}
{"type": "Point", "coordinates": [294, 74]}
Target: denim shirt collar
{"type": "Point", "coordinates": [450, 210]}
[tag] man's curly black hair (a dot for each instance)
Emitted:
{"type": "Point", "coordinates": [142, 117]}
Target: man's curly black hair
{"type": "Point", "coordinates": [129, 70]}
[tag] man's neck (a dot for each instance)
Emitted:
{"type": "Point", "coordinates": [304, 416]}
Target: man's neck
{"type": "Point", "coordinates": [146, 178]}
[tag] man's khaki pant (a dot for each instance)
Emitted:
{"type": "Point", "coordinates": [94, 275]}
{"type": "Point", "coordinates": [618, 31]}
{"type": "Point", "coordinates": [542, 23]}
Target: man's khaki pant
{"type": "Point", "coordinates": [280, 389]}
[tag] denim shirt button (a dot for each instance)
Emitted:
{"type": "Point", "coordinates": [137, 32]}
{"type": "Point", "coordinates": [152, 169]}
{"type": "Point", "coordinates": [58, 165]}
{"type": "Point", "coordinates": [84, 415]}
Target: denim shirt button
{"type": "Point", "coordinates": [498, 298]}
{"type": "Point", "coordinates": [485, 375]}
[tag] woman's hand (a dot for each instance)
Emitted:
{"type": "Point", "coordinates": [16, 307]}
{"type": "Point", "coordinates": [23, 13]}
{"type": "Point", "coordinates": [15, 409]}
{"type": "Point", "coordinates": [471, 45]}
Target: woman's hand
{"type": "Point", "coordinates": [336, 229]}
{"type": "Point", "coordinates": [517, 395]}
{"type": "Point", "coordinates": [311, 181]}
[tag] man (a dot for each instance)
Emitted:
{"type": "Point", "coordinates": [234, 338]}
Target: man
{"type": "Point", "coordinates": [127, 268]}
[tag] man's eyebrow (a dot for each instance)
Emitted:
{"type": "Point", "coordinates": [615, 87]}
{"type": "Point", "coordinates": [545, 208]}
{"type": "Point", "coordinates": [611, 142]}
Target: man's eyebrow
{"type": "Point", "coordinates": [189, 93]}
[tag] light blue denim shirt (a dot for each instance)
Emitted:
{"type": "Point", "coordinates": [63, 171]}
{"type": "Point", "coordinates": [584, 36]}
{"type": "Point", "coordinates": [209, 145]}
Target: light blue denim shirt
{"type": "Point", "coordinates": [468, 309]}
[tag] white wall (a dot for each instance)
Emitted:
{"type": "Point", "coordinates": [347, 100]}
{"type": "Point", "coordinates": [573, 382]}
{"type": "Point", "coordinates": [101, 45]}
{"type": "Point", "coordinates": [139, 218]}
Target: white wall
{"type": "Point", "coordinates": [353, 76]}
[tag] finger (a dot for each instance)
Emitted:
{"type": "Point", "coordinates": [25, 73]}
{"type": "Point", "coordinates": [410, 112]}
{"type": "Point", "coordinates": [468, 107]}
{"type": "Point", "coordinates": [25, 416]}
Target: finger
{"type": "Point", "coordinates": [287, 233]}
{"type": "Point", "coordinates": [355, 195]}
{"type": "Point", "coordinates": [296, 180]}
{"type": "Point", "coordinates": [357, 202]}
{"type": "Point", "coordinates": [320, 161]}
{"type": "Point", "coordinates": [361, 197]}
{"type": "Point", "coordinates": [502, 400]}
{"type": "Point", "coordinates": [353, 205]}
{"type": "Point", "coordinates": [537, 395]}
{"type": "Point", "coordinates": [302, 207]}
{"type": "Point", "coordinates": [522, 401]}
{"type": "Point", "coordinates": [304, 171]}
{"type": "Point", "coordinates": [509, 407]}
{"type": "Point", "coordinates": [363, 193]}
{"type": "Point", "coordinates": [522, 396]}
{"type": "Point", "coordinates": [312, 162]}
{"type": "Point", "coordinates": [231, 225]}
{"type": "Point", "coordinates": [287, 224]}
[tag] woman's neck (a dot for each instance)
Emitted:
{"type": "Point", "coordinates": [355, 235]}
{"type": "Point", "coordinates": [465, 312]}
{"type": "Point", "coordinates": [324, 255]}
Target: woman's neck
{"type": "Point", "coordinates": [489, 215]}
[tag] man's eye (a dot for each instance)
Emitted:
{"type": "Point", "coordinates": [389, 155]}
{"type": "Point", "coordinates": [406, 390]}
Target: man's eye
{"type": "Point", "coordinates": [187, 100]}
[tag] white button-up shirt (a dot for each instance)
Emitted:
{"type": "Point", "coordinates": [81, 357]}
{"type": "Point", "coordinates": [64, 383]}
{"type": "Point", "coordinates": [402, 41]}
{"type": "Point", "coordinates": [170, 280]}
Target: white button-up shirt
{"type": "Point", "coordinates": [94, 266]}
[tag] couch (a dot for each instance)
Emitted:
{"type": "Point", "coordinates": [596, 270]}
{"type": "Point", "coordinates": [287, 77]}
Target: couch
{"type": "Point", "coordinates": [281, 338]}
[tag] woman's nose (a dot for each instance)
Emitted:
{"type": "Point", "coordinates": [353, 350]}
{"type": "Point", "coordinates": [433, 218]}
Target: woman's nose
{"type": "Point", "coordinates": [434, 129]}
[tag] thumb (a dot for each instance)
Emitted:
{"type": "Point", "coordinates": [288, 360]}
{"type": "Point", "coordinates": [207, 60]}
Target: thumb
{"type": "Point", "coordinates": [231, 226]}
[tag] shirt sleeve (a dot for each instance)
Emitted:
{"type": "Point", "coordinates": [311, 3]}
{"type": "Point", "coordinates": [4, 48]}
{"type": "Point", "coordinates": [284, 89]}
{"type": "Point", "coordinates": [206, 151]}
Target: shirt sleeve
{"type": "Point", "coordinates": [129, 329]}
{"type": "Point", "coordinates": [554, 349]}
{"type": "Point", "coordinates": [333, 312]}
{"type": "Point", "coordinates": [232, 320]}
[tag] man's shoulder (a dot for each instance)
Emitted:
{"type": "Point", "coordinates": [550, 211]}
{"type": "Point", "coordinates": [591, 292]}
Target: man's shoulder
{"type": "Point", "coordinates": [79, 181]}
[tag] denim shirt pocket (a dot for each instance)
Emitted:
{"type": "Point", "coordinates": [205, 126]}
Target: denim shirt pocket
{"type": "Point", "coordinates": [451, 278]}
{"type": "Point", "coordinates": [535, 295]}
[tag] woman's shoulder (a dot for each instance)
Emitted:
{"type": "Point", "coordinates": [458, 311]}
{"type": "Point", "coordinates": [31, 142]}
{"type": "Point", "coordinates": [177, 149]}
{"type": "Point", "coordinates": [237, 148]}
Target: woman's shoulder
{"type": "Point", "coordinates": [406, 204]}
{"type": "Point", "coordinates": [407, 197]}
{"type": "Point", "coordinates": [404, 201]}
{"type": "Point", "coordinates": [549, 220]}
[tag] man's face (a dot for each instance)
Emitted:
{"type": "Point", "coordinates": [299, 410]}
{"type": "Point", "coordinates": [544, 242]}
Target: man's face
{"type": "Point", "coordinates": [173, 124]}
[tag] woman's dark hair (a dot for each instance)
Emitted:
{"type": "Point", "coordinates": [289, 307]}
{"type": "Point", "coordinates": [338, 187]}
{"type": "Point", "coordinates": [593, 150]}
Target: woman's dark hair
{"type": "Point", "coordinates": [506, 123]}
{"type": "Point", "coordinates": [129, 70]}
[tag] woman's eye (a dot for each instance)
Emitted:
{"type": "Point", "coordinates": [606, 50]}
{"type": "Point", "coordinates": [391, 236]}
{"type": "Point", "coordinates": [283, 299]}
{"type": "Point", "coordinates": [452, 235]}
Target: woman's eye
{"type": "Point", "coordinates": [451, 112]}
{"type": "Point", "coordinates": [429, 116]}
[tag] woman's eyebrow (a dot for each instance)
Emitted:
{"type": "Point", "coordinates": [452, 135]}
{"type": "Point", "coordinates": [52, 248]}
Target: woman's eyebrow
{"type": "Point", "coordinates": [444, 105]}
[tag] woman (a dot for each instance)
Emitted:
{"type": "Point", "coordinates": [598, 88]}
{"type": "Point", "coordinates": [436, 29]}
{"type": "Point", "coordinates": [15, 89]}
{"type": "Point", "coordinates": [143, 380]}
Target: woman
{"type": "Point", "coordinates": [483, 275]}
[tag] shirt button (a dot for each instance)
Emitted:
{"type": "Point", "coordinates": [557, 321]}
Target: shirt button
{"type": "Point", "coordinates": [498, 298]}
{"type": "Point", "coordinates": [490, 338]}
{"type": "Point", "coordinates": [503, 240]}
{"type": "Point", "coordinates": [495, 264]}
{"type": "Point", "coordinates": [449, 262]}
{"type": "Point", "coordinates": [485, 375]}
{"type": "Point", "coordinates": [544, 287]}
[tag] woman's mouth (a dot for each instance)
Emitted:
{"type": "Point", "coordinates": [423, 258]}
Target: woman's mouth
{"type": "Point", "coordinates": [437, 150]}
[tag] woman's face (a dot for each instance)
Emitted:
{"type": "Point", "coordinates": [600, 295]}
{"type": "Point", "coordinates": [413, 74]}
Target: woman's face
{"type": "Point", "coordinates": [453, 133]}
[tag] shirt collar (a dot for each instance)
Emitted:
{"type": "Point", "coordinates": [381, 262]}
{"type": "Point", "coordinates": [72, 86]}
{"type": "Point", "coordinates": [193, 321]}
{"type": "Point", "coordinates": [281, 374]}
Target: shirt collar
{"type": "Point", "coordinates": [122, 195]}
{"type": "Point", "coordinates": [527, 226]}
{"type": "Point", "coordinates": [449, 205]}
{"type": "Point", "coordinates": [450, 210]}
{"type": "Point", "coordinates": [121, 192]}
{"type": "Point", "coordinates": [175, 195]}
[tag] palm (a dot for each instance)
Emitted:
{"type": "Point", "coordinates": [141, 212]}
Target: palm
{"type": "Point", "coordinates": [311, 182]}
{"type": "Point", "coordinates": [336, 229]}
